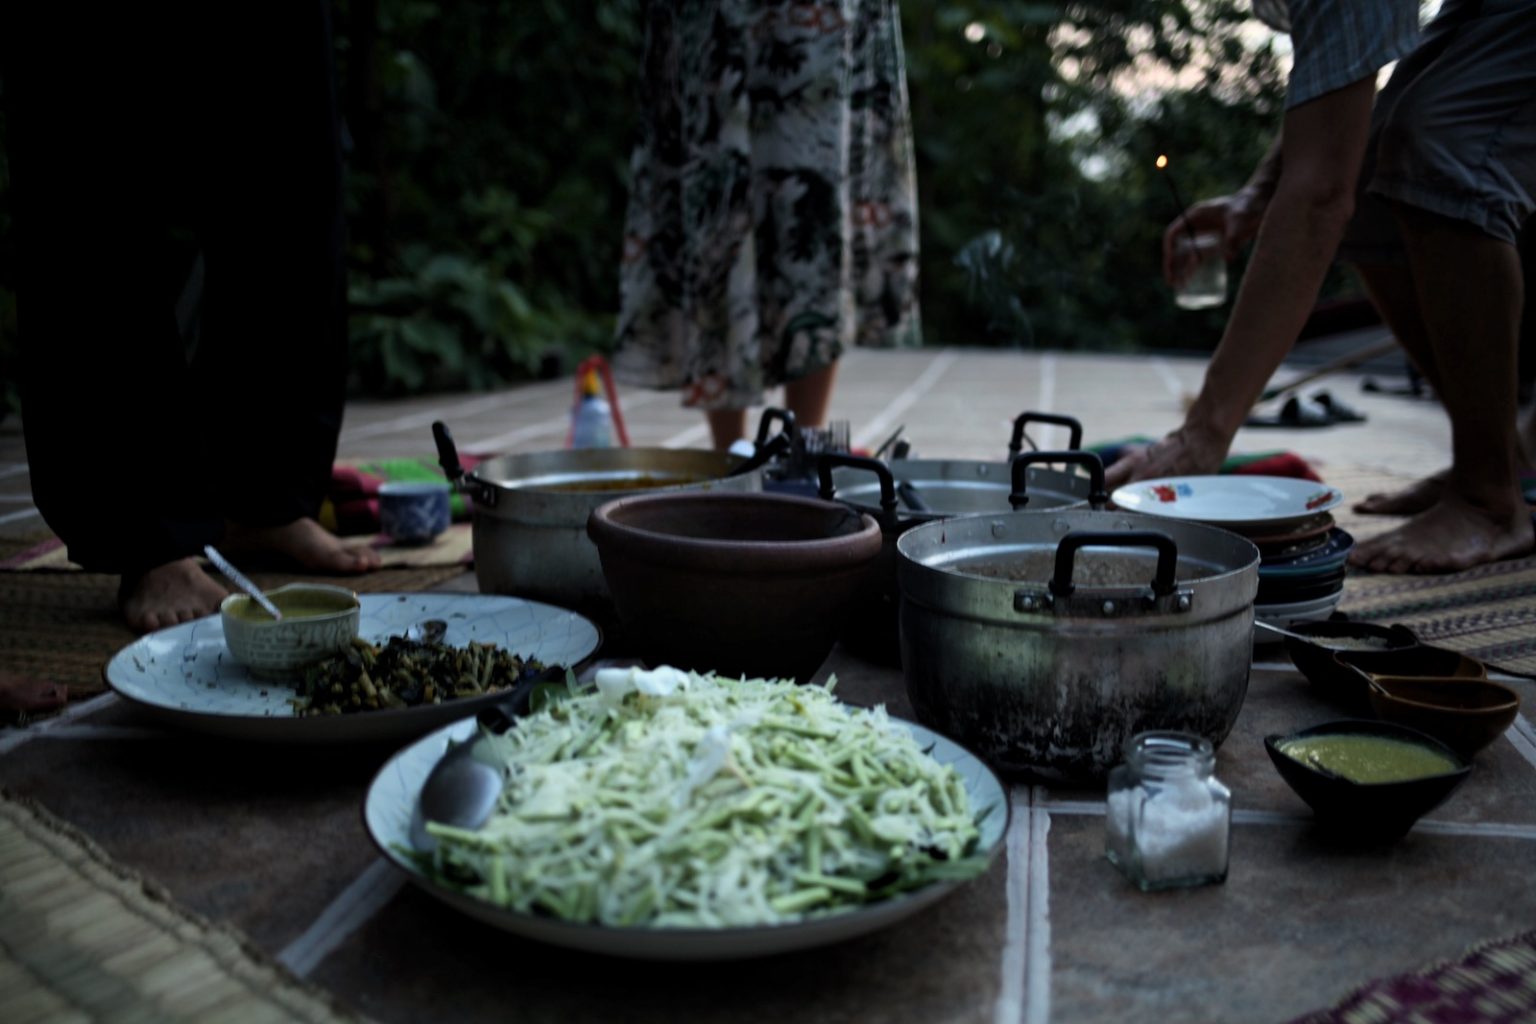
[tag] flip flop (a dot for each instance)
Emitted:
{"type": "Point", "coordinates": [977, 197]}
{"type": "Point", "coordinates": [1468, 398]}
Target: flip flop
{"type": "Point", "coordinates": [1336, 409]}
{"type": "Point", "coordinates": [1295, 413]}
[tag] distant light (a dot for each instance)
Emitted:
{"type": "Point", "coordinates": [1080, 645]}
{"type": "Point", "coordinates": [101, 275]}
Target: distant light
{"type": "Point", "coordinates": [994, 49]}
{"type": "Point", "coordinates": [1162, 161]}
{"type": "Point", "coordinates": [975, 32]}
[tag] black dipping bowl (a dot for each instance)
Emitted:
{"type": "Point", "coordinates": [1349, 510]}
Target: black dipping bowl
{"type": "Point", "coordinates": [1366, 811]}
{"type": "Point", "coordinates": [1338, 681]}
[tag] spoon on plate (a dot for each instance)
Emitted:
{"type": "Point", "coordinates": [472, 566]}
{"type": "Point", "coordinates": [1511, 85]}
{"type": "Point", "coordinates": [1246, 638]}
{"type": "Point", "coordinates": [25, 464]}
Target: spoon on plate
{"type": "Point", "coordinates": [240, 580]}
{"type": "Point", "coordinates": [460, 790]}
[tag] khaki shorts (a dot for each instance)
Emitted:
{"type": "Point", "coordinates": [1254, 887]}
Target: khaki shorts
{"type": "Point", "coordinates": [1454, 131]}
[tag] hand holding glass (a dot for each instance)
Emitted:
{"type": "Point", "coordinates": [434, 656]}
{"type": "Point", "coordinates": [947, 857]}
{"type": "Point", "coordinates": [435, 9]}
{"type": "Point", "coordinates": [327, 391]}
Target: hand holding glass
{"type": "Point", "coordinates": [1199, 271]}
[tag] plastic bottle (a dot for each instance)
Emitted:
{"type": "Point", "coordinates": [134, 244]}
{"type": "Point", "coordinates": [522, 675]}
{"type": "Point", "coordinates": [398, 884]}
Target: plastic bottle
{"type": "Point", "coordinates": [591, 416]}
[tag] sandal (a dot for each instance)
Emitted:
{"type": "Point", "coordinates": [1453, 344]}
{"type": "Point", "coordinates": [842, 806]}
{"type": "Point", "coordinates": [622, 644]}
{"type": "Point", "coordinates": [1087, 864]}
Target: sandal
{"type": "Point", "coordinates": [1296, 412]}
{"type": "Point", "coordinates": [1337, 410]}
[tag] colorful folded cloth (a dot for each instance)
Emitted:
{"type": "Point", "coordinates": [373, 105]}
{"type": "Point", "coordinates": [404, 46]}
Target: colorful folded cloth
{"type": "Point", "coordinates": [1271, 463]}
{"type": "Point", "coordinates": [351, 504]}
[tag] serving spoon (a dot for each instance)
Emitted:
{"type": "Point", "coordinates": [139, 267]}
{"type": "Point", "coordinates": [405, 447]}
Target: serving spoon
{"type": "Point", "coordinates": [1285, 632]}
{"type": "Point", "coordinates": [240, 580]}
{"type": "Point", "coordinates": [460, 790]}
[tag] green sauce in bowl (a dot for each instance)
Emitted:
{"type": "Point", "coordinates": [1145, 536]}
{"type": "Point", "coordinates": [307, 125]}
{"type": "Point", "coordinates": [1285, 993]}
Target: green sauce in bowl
{"type": "Point", "coordinates": [296, 603]}
{"type": "Point", "coordinates": [1367, 759]}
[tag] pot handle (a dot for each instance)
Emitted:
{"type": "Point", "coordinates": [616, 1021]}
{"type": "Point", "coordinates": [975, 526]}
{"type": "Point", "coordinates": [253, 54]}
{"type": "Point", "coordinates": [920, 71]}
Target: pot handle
{"type": "Point", "coordinates": [762, 454]}
{"type": "Point", "coordinates": [1066, 554]}
{"type": "Point", "coordinates": [1016, 445]}
{"type": "Point", "coordinates": [784, 416]}
{"type": "Point", "coordinates": [1090, 461]}
{"type": "Point", "coordinates": [827, 460]}
{"type": "Point", "coordinates": [448, 458]}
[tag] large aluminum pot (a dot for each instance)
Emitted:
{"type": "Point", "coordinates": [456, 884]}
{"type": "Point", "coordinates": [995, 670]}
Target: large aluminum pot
{"type": "Point", "coordinates": [958, 487]}
{"type": "Point", "coordinates": [530, 511]}
{"type": "Point", "coordinates": [1044, 641]}
{"type": "Point", "coordinates": [872, 624]}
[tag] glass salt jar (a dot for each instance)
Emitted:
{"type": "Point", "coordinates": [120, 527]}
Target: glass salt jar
{"type": "Point", "coordinates": [1168, 817]}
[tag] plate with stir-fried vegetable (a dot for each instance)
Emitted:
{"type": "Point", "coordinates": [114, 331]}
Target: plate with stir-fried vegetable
{"type": "Point", "coordinates": [661, 814]}
{"type": "Point", "coordinates": [391, 684]}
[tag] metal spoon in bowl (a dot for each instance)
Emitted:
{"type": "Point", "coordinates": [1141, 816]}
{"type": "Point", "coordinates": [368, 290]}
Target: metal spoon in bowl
{"type": "Point", "coordinates": [1285, 632]}
{"type": "Point", "coordinates": [239, 579]}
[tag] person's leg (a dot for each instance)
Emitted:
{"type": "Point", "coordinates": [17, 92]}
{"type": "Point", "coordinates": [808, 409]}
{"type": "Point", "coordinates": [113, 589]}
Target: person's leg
{"type": "Point", "coordinates": [810, 397]}
{"type": "Point", "coordinates": [1470, 295]}
{"type": "Point", "coordinates": [274, 324]}
{"type": "Point", "coordinates": [1391, 289]}
{"type": "Point", "coordinates": [1454, 161]}
{"type": "Point", "coordinates": [96, 146]}
{"type": "Point", "coordinates": [726, 426]}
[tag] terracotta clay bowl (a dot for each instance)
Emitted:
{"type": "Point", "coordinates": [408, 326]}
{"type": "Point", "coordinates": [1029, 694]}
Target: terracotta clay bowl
{"type": "Point", "coordinates": [1367, 812]}
{"type": "Point", "coordinates": [1466, 714]}
{"type": "Point", "coordinates": [740, 584]}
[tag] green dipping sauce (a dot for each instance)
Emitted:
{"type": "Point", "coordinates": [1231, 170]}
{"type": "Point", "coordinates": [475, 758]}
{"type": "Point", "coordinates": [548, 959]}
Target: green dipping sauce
{"type": "Point", "coordinates": [1364, 758]}
{"type": "Point", "coordinates": [293, 605]}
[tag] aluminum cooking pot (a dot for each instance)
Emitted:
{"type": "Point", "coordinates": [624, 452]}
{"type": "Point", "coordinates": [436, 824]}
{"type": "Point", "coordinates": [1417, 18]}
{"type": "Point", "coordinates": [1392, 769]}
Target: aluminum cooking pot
{"type": "Point", "coordinates": [530, 511]}
{"type": "Point", "coordinates": [872, 623]}
{"type": "Point", "coordinates": [955, 487]}
{"type": "Point", "coordinates": [1044, 641]}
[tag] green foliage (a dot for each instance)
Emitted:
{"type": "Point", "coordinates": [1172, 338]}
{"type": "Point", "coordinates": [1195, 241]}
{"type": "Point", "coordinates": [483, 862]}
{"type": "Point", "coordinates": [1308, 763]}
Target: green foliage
{"type": "Point", "coordinates": [486, 184]}
{"type": "Point", "coordinates": [487, 176]}
{"type": "Point", "coordinates": [1042, 216]}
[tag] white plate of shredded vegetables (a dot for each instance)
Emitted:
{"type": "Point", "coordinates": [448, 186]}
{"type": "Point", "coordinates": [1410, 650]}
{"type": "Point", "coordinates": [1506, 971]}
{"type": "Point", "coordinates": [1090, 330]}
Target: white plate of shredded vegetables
{"type": "Point", "coordinates": [666, 815]}
{"type": "Point", "coordinates": [185, 674]}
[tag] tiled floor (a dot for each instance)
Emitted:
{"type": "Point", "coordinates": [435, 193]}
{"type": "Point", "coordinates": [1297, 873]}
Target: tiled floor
{"type": "Point", "coordinates": [267, 839]}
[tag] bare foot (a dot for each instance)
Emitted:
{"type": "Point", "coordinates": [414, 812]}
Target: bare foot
{"type": "Point", "coordinates": [1449, 536]}
{"type": "Point", "coordinates": [1416, 497]}
{"type": "Point", "coordinates": [21, 694]}
{"type": "Point", "coordinates": [178, 591]}
{"type": "Point", "coordinates": [306, 543]}
{"type": "Point", "coordinates": [1181, 453]}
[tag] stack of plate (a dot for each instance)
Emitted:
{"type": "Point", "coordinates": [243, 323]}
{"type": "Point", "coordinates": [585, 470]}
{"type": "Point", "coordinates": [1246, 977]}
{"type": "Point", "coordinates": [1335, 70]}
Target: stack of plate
{"type": "Point", "coordinates": [1301, 551]}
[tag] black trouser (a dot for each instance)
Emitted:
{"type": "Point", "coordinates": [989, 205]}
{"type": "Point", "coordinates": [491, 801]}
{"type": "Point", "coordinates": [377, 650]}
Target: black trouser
{"type": "Point", "coordinates": [146, 142]}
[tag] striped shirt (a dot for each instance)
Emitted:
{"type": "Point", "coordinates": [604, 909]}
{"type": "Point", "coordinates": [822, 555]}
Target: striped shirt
{"type": "Point", "coordinates": [1337, 42]}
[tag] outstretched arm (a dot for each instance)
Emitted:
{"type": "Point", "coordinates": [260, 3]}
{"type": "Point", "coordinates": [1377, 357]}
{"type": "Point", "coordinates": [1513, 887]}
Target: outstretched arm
{"type": "Point", "coordinates": [1322, 147]}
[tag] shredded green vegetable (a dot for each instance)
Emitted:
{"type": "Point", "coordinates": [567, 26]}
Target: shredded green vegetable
{"type": "Point", "coordinates": [671, 799]}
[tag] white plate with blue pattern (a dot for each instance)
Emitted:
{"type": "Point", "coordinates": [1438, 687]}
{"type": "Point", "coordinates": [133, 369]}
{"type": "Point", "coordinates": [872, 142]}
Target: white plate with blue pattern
{"type": "Point", "coordinates": [185, 675]}
{"type": "Point", "coordinates": [396, 789]}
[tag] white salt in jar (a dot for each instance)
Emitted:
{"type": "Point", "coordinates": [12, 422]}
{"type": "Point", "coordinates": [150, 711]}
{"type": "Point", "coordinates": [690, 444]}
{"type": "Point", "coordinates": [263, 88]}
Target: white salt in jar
{"type": "Point", "coordinates": [1168, 817]}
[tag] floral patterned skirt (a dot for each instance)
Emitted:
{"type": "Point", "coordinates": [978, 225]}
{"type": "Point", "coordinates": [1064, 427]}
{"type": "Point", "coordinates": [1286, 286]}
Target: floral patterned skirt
{"type": "Point", "coordinates": [772, 217]}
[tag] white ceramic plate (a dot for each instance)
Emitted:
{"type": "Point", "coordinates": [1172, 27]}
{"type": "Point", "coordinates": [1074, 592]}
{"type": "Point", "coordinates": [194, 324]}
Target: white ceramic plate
{"type": "Point", "coordinates": [395, 790]}
{"type": "Point", "coordinates": [1249, 504]}
{"type": "Point", "coordinates": [185, 674]}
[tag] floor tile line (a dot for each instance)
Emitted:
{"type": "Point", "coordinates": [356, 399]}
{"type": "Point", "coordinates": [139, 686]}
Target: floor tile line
{"type": "Point", "coordinates": [348, 912]}
{"type": "Point", "coordinates": [1045, 394]}
{"type": "Point", "coordinates": [878, 426]}
{"type": "Point", "coordinates": [11, 469]}
{"type": "Point", "coordinates": [411, 421]}
{"type": "Point", "coordinates": [12, 517]}
{"type": "Point", "coordinates": [694, 435]}
{"type": "Point", "coordinates": [556, 425]}
{"type": "Point", "coordinates": [1009, 1008]}
{"type": "Point", "coordinates": [1485, 829]}
{"type": "Point", "coordinates": [1170, 379]}
{"type": "Point", "coordinates": [1523, 738]}
{"type": "Point", "coordinates": [1037, 981]}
